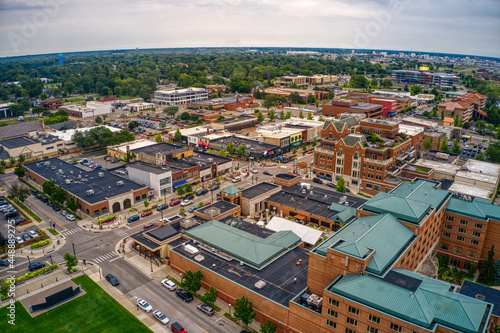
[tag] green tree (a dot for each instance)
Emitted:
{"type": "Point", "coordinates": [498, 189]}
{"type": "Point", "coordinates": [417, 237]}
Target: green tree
{"type": "Point", "coordinates": [72, 203]}
{"type": "Point", "coordinates": [271, 115]}
{"type": "Point", "coordinates": [48, 186]}
{"type": "Point", "coordinates": [98, 120]}
{"type": "Point", "coordinates": [268, 327]}
{"type": "Point", "coordinates": [260, 116]}
{"type": "Point", "coordinates": [71, 261]}
{"type": "Point", "coordinates": [192, 281]}
{"type": "Point", "coordinates": [146, 204]}
{"type": "Point", "coordinates": [221, 118]}
{"type": "Point", "coordinates": [188, 187]}
{"type": "Point", "coordinates": [270, 101]}
{"type": "Point", "coordinates": [133, 124]}
{"type": "Point", "coordinates": [210, 151]}
{"type": "Point", "coordinates": [415, 90]}
{"type": "Point", "coordinates": [321, 118]}
{"type": "Point", "coordinates": [194, 117]}
{"type": "Point", "coordinates": [243, 311]}
{"type": "Point", "coordinates": [497, 134]}
{"type": "Point", "coordinates": [182, 211]}
{"type": "Point", "coordinates": [428, 143]}
{"type": "Point", "coordinates": [282, 115]}
{"type": "Point", "coordinates": [456, 147]}
{"type": "Point", "coordinates": [222, 153]}
{"type": "Point", "coordinates": [19, 171]}
{"type": "Point", "coordinates": [162, 125]}
{"type": "Point", "coordinates": [185, 116]}
{"type": "Point", "coordinates": [180, 190]}
{"type": "Point", "coordinates": [470, 272]}
{"type": "Point", "coordinates": [201, 205]}
{"type": "Point", "coordinates": [210, 296]}
{"type": "Point", "coordinates": [19, 192]}
{"type": "Point", "coordinates": [241, 150]}
{"type": "Point", "coordinates": [309, 116]}
{"type": "Point", "coordinates": [480, 157]}
{"type": "Point", "coordinates": [4, 288]}
{"type": "Point", "coordinates": [493, 152]}
{"type": "Point", "coordinates": [288, 115]}
{"type": "Point", "coordinates": [230, 148]}
{"type": "Point", "coordinates": [301, 115]}
{"type": "Point", "coordinates": [496, 270]}
{"type": "Point", "coordinates": [158, 138]}
{"type": "Point", "coordinates": [178, 136]}
{"type": "Point", "coordinates": [486, 273]}
{"type": "Point", "coordinates": [444, 145]}
{"type": "Point", "coordinates": [58, 194]}
{"type": "Point", "coordinates": [37, 110]}
{"type": "Point", "coordinates": [171, 111]}
{"type": "Point", "coordinates": [341, 185]}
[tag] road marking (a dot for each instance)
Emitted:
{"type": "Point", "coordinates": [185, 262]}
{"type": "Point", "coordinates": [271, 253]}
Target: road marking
{"type": "Point", "coordinates": [201, 328]}
{"type": "Point", "coordinates": [114, 259]}
{"type": "Point", "coordinates": [2, 277]}
{"type": "Point", "coordinates": [151, 292]}
{"type": "Point", "coordinates": [48, 217]}
{"type": "Point", "coordinates": [175, 310]}
{"type": "Point", "coordinates": [117, 267]}
{"type": "Point", "coordinates": [127, 227]}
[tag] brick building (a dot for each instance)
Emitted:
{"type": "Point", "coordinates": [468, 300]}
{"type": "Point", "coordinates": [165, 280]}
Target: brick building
{"type": "Point", "coordinates": [50, 103]}
{"type": "Point", "coordinates": [467, 106]}
{"type": "Point", "coordinates": [337, 107]}
{"type": "Point", "coordinates": [402, 102]}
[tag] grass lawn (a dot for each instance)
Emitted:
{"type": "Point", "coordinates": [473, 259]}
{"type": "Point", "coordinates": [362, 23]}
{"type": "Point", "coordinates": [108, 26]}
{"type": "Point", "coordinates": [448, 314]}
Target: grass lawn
{"type": "Point", "coordinates": [94, 312]}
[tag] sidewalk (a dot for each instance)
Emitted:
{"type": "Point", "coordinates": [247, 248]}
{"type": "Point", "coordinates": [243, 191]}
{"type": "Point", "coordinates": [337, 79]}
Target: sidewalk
{"type": "Point", "coordinates": [45, 250]}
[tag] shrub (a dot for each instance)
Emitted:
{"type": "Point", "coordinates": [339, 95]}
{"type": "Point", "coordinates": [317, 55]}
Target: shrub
{"type": "Point", "coordinates": [40, 243]}
{"type": "Point", "coordinates": [106, 219]}
{"type": "Point", "coordinates": [131, 210]}
{"type": "Point", "coordinates": [31, 275]}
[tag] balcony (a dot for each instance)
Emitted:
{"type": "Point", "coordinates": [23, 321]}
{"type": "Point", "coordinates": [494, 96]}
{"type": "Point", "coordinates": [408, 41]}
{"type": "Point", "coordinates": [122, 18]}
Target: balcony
{"type": "Point", "coordinates": [325, 151]}
{"type": "Point", "coordinates": [381, 162]}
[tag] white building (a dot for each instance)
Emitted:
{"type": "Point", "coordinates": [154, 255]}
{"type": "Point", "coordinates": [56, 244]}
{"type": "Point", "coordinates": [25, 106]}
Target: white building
{"type": "Point", "coordinates": [179, 97]}
{"type": "Point", "coordinates": [91, 110]}
{"type": "Point", "coordinates": [156, 178]}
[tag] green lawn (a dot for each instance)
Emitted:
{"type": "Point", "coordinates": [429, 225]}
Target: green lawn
{"type": "Point", "coordinates": [94, 312]}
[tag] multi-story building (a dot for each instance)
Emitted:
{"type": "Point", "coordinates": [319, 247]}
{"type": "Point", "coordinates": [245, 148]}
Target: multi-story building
{"type": "Point", "coordinates": [322, 80]}
{"type": "Point", "coordinates": [294, 80]}
{"type": "Point", "coordinates": [5, 110]}
{"type": "Point", "coordinates": [337, 107]}
{"type": "Point", "coordinates": [227, 103]}
{"type": "Point", "coordinates": [403, 102]}
{"type": "Point", "coordinates": [467, 106]}
{"type": "Point", "coordinates": [179, 97]}
{"type": "Point", "coordinates": [303, 93]}
{"type": "Point", "coordinates": [50, 103]}
{"type": "Point", "coordinates": [236, 123]}
{"type": "Point", "coordinates": [443, 80]}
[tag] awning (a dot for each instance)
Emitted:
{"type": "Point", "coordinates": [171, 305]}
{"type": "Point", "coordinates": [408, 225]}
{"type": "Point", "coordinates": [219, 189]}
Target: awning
{"type": "Point", "coordinates": [203, 144]}
{"type": "Point", "coordinates": [300, 217]}
{"type": "Point", "coordinates": [179, 184]}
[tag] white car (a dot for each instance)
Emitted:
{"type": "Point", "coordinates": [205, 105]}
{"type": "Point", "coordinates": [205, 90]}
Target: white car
{"type": "Point", "coordinates": [19, 240]}
{"type": "Point", "coordinates": [165, 219]}
{"type": "Point", "coordinates": [70, 217]}
{"type": "Point", "coordinates": [186, 202]}
{"type": "Point", "coordinates": [168, 284]}
{"type": "Point", "coordinates": [33, 234]}
{"type": "Point", "coordinates": [254, 170]}
{"type": "Point", "coordinates": [161, 317]}
{"type": "Point", "coordinates": [144, 305]}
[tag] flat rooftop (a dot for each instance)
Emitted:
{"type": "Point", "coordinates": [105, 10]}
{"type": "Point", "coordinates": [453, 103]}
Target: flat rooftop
{"type": "Point", "coordinates": [255, 146]}
{"type": "Point", "coordinates": [163, 147]}
{"type": "Point", "coordinates": [479, 291]}
{"type": "Point", "coordinates": [258, 190]}
{"type": "Point", "coordinates": [365, 106]}
{"type": "Point", "coordinates": [13, 143]}
{"type": "Point", "coordinates": [285, 176]}
{"type": "Point", "coordinates": [67, 135]}
{"type": "Point", "coordinates": [222, 206]}
{"type": "Point", "coordinates": [222, 100]}
{"type": "Point", "coordinates": [133, 145]}
{"type": "Point", "coordinates": [201, 158]}
{"type": "Point", "coordinates": [472, 190]}
{"type": "Point", "coordinates": [81, 181]}
{"type": "Point", "coordinates": [235, 119]}
{"type": "Point", "coordinates": [157, 170]}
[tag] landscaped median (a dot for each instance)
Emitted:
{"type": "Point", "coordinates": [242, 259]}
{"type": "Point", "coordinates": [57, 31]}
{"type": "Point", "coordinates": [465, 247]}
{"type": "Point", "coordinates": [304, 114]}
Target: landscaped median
{"type": "Point", "coordinates": [107, 219]}
{"type": "Point", "coordinates": [31, 275]}
{"type": "Point", "coordinates": [27, 210]}
{"type": "Point", "coordinates": [40, 244]}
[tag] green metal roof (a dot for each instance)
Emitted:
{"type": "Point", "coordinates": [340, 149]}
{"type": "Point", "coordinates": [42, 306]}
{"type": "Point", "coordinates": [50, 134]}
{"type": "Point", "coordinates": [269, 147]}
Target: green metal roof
{"type": "Point", "coordinates": [352, 139]}
{"type": "Point", "coordinates": [345, 213]}
{"type": "Point", "coordinates": [431, 302]}
{"type": "Point", "coordinates": [231, 191]}
{"type": "Point", "coordinates": [423, 191]}
{"type": "Point", "coordinates": [477, 208]}
{"type": "Point", "coordinates": [383, 234]}
{"type": "Point", "coordinates": [245, 246]}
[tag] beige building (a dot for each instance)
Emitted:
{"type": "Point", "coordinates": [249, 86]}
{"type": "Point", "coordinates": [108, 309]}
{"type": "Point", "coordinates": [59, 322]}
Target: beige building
{"type": "Point", "coordinates": [120, 151]}
{"type": "Point", "coordinates": [253, 199]}
{"type": "Point", "coordinates": [31, 148]}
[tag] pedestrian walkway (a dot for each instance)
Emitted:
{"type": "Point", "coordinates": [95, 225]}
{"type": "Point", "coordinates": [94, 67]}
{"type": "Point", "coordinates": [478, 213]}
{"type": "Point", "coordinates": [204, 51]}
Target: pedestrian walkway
{"type": "Point", "coordinates": [121, 233]}
{"type": "Point", "coordinates": [56, 257]}
{"type": "Point", "coordinates": [68, 232]}
{"type": "Point", "coordinates": [105, 257]}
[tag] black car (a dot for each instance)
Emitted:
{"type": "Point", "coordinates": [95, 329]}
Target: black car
{"type": "Point", "coordinates": [214, 188]}
{"type": "Point", "coordinates": [186, 296]}
{"type": "Point", "coordinates": [331, 185]}
{"type": "Point", "coordinates": [202, 192]}
{"type": "Point", "coordinates": [162, 207]}
{"type": "Point", "coordinates": [36, 266]}
{"type": "Point", "coordinates": [317, 180]}
{"type": "Point", "coordinates": [189, 197]}
{"type": "Point", "coordinates": [39, 196]}
{"type": "Point", "coordinates": [44, 199]}
{"type": "Point", "coordinates": [5, 262]}
{"type": "Point", "coordinates": [34, 192]}
{"type": "Point", "coordinates": [267, 173]}
{"type": "Point", "coordinates": [20, 220]}
{"type": "Point", "coordinates": [111, 279]}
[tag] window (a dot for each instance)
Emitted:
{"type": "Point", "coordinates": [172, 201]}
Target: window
{"type": "Point", "coordinates": [353, 310]}
{"type": "Point", "coordinates": [474, 242]}
{"type": "Point", "coordinates": [478, 225]}
{"type": "Point", "coordinates": [396, 328]}
{"type": "Point", "coordinates": [331, 323]}
{"type": "Point", "coordinates": [454, 262]}
{"type": "Point", "coordinates": [444, 247]}
{"type": "Point", "coordinates": [374, 319]}
{"type": "Point", "coordinates": [371, 329]}
{"type": "Point", "coordinates": [332, 313]}
{"type": "Point", "coordinates": [449, 218]}
{"type": "Point", "coordinates": [457, 250]}
{"type": "Point", "coordinates": [348, 330]}
{"type": "Point", "coordinates": [476, 234]}
{"type": "Point", "coordinates": [471, 254]}
{"type": "Point", "coordinates": [333, 302]}
{"type": "Point", "coordinates": [460, 238]}
{"type": "Point", "coordinates": [446, 234]}
{"type": "Point", "coordinates": [377, 188]}
{"type": "Point", "coordinates": [369, 186]}
{"type": "Point", "coordinates": [464, 222]}
{"type": "Point", "coordinates": [462, 230]}
{"type": "Point", "coordinates": [448, 226]}
{"type": "Point", "coordinates": [351, 321]}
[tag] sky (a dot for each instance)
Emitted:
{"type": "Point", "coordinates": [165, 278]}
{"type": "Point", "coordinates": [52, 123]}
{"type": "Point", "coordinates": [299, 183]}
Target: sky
{"type": "Point", "coordinates": [56, 26]}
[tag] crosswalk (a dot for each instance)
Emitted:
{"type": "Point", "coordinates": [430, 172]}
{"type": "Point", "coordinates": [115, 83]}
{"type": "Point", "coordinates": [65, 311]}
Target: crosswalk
{"type": "Point", "coordinates": [105, 257]}
{"type": "Point", "coordinates": [68, 232]}
{"type": "Point", "coordinates": [120, 233]}
{"type": "Point", "coordinates": [56, 257]}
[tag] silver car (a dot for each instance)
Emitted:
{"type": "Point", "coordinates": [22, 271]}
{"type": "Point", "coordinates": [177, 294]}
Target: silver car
{"type": "Point", "coordinates": [144, 305]}
{"type": "Point", "coordinates": [161, 317]}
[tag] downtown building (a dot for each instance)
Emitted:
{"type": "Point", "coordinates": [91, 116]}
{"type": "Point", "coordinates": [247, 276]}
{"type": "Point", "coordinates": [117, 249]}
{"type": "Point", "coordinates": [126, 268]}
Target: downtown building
{"type": "Point", "coordinates": [179, 97]}
{"type": "Point", "coordinates": [443, 80]}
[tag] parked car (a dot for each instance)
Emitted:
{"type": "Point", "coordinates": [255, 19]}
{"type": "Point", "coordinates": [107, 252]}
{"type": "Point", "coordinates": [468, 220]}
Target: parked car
{"type": "Point", "coordinates": [214, 188]}
{"type": "Point", "coordinates": [192, 209]}
{"type": "Point", "coordinates": [189, 197]}
{"type": "Point", "coordinates": [19, 240]}
{"type": "Point", "coordinates": [12, 214]}
{"type": "Point", "coordinates": [70, 217]}
{"type": "Point", "coordinates": [98, 166]}
{"type": "Point", "coordinates": [33, 234]}
{"type": "Point", "coordinates": [84, 161]}
{"type": "Point", "coordinates": [253, 170]}
{"type": "Point", "coordinates": [34, 266]}
{"type": "Point", "coordinates": [205, 309]}
{"type": "Point", "coordinates": [331, 185]}
{"type": "Point", "coordinates": [161, 317]}
{"type": "Point", "coordinates": [236, 179]}
{"type": "Point", "coordinates": [317, 180]}
{"type": "Point", "coordinates": [175, 202]}
{"type": "Point", "coordinates": [162, 207]}
{"type": "Point", "coordinates": [206, 203]}
{"type": "Point", "coordinates": [149, 225]}
{"type": "Point", "coordinates": [147, 213]}
{"type": "Point", "coordinates": [169, 284]}
{"type": "Point", "coordinates": [111, 279]}
{"type": "Point", "coordinates": [202, 192]}
{"type": "Point", "coordinates": [26, 237]}
{"type": "Point", "coordinates": [56, 208]}
{"type": "Point", "coordinates": [186, 202]}
{"type": "Point", "coordinates": [133, 218]}
{"type": "Point", "coordinates": [184, 295]}
{"type": "Point", "coordinates": [177, 328]}
{"type": "Point", "coordinates": [267, 173]}
{"type": "Point", "coordinates": [6, 262]}
{"type": "Point", "coordinates": [63, 213]}
{"type": "Point", "coordinates": [20, 220]}
{"type": "Point", "coordinates": [115, 160]}
{"type": "Point", "coordinates": [144, 305]}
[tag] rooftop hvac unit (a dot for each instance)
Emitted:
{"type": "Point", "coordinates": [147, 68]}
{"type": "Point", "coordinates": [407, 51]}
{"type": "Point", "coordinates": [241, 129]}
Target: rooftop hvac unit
{"type": "Point", "coordinates": [60, 171]}
{"type": "Point", "coordinates": [260, 284]}
{"type": "Point", "coordinates": [315, 301]}
{"type": "Point", "coordinates": [119, 183]}
{"type": "Point", "coordinates": [191, 249]}
{"type": "Point", "coordinates": [101, 174]}
{"type": "Point", "coordinates": [46, 163]}
{"type": "Point", "coordinates": [210, 159]}
{"type": "Point", "coordinates": [38, 165]}
{"type": "Point", "coordinates": [79, 176]}
{"type": "Point", "coordinates": [71, 172]}
{"type": "Point", "coordinates": [67, 181]}
{"type": "Point", "coordinates": [90, 192]}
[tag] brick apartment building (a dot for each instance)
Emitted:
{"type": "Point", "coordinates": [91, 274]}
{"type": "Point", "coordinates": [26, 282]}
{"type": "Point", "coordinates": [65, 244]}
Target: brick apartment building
{"type": "Point", "coordinates": [50, 103]}
{"type": "Point", "coordinates": [402, 102]}
{"type": "Point", "coordinates": [360, 279]}
{"type": "Point", "coordinates": [467, 106]}
{"type": "Point", "coordinates": [337, 107]}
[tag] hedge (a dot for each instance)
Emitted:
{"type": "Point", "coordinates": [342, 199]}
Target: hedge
{"type": "Point", "coordinates": [106, 219]}
{"type": "Point", "coordinates": [31, 275]}
{"type": "Point", "coordinates": [40, 243]}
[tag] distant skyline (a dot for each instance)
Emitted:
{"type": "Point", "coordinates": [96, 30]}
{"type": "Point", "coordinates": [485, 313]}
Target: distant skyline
{"type": "Point", "coordinates": [58, 26]}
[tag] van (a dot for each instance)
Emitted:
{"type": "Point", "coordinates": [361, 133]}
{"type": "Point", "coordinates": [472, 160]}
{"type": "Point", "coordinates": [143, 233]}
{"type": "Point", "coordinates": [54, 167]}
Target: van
{"type": "Point", "coordinates": [237, 179]}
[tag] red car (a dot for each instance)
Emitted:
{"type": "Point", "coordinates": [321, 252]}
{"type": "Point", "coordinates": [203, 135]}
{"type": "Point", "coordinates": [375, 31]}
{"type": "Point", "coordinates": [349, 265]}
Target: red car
{"type": "Point", "coordinates": [149, 225]}
{"type": "Point", "coordinates": [175, 202]}
{"type": "Point", "coordinates": [207, 203]}
{"type": "Point", "coordinates": [149, 212]}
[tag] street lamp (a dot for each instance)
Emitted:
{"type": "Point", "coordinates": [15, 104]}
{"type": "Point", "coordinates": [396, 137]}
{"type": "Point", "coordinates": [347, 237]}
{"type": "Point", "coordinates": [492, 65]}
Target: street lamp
{"type": "Point", "coordinates": [50, 256]}
{"type": "Point", "coordinates": [29, 262]}
{"type": "Point", "coordinates": [74, 252]}
{"type": "Point", "coordinates": [151, 260]}
{"type": "Point", "coordinates": [229, 306]}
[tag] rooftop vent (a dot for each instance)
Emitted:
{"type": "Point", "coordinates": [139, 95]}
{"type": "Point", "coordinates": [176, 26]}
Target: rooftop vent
{"type": "Point", "coordinates": [101, 174]}
{"type": "Point", "coordinates": [67, 181]}
{"type": "Point", "coordinates": [260, 284]}
{"type": "Point", "coordinates": [480, 297]}
{"type": "Point", "coordinates": [119, 183]}
{"type": "Point", "coordinates": [90, 192]}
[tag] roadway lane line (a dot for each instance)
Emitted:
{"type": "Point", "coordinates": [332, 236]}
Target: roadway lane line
{"type": "Point", "coordinates": [201, 328]}
{"type": "Point", "coordinates": [115, 259]}
{"type": "Point", "coordinates": [152, 293]}
{"type": "Point", "coordinates": [17, 272]}
{"type": "Point", "coordinates": [175, 310]}
{"type": "Point", "coordinates": [117, 267]}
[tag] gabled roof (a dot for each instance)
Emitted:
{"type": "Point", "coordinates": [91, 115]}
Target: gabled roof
{"type": "Point", "coordinates": [326, 124]}
{"type": "Point", "coordinates": [381, 234]}
{"type": "Point", "coordinates": [345, 213]}
{"type": "Point", "coordinates": [242, 245]}
{"type": "Point", "coordinates": [20, 129]}
{"type": "Point", "coordinates": [422, 190]}
{"type": "Point", "coordinates": [352, 139]}
{"type": "Point", "coordinates": [349, 121]}
{"type": "Point", "coordinates": [477, 208]}
{"type": "Point", "coordinates": [231, 191]}
{"type": "Point", "coordinates": [430, 302]}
